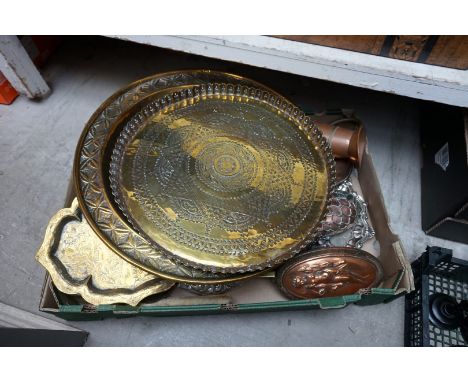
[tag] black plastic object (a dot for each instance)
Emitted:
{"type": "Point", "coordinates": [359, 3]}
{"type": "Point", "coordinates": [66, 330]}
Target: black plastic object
{"type": "Point", "coordinates": [435, 272]}
{"type": "Point", "coordinates": [464, 306]}
{"type": "Point", "coordinates": [444, 174]}
{"type": "Point", "coordinates": [464, 329]}
{"type": "Point", "coordinates": [444, 311]}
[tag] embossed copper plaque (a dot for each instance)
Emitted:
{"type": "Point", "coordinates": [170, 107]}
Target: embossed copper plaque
{"type": "Point", "coordinates": [91, 175]}
{"type": "Point", "coordinates": [329, 272]}
{"type": "Point", "coordinates": [223, 178]}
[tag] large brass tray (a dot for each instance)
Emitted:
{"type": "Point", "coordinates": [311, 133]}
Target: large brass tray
{"type": "Point", "coordinates": [223, 177]}
{"type": "Point", "coordinates": [91, 176]}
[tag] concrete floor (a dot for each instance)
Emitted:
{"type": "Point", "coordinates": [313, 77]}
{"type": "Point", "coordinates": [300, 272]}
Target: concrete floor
{"type": "Point", "coordinates": [37, 143]}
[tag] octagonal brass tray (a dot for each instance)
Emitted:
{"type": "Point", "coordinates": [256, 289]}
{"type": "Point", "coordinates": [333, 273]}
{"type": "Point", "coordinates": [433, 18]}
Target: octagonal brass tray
{"type": "Point", "coordinates": [222, 177]}
{"type": "Point", "coordinates": [91, 177]}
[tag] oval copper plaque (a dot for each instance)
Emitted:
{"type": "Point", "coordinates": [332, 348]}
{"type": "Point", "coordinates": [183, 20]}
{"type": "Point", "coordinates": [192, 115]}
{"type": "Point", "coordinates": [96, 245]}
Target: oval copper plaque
{"type": "Point", "coordinates": [329, 272]}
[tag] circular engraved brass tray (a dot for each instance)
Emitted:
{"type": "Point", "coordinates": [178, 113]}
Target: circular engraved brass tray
{"type": "Point", "coordinates": [91, 176]}
{"type": "Point", "coordinates": [223, 177]}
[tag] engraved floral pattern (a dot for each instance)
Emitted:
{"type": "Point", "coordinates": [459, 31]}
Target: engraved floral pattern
{"type": "Point", "coordinates": [222, 160]}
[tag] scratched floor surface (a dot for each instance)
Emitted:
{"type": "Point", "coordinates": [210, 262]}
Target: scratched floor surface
{"type": "Point", "coordinates": [37, 142]}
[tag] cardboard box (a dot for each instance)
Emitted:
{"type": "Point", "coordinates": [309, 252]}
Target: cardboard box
{"type": "Point", "coordinates": [261, 294]}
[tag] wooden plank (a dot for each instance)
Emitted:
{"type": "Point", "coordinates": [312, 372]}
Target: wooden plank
{"type": "Point", "coordinates": [21, 328]}
{"type": "Point", "coordinates": [408, 48]}
{"type": "Point", "coordinates": [362, 44]}
{"type": "Point", "coordinates": [11, 317]}
{"type": "Point", "coordinates": [410, 79]}
{"type": "Point", "coordinates": [451, 51]}
{"type": "Point", "coordinates": [18, 337]}
{"type": "Point", "coordinates": [19, 70]}
{"type": "Point", "coordinates": [448, 51]}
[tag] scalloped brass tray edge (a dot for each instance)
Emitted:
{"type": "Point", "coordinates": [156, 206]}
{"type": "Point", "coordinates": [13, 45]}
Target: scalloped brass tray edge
{"type": "Point", "coordinates": [65, 282]}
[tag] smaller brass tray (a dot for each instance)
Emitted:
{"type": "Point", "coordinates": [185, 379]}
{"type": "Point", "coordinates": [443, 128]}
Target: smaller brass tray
{"type": "Point", "coordinates": [329, 272]}
{"type": "Point", "coordinates": [80, 263]}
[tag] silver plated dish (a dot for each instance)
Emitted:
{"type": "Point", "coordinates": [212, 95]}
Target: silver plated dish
{"type": "Point", "coordinates": [346, 222]}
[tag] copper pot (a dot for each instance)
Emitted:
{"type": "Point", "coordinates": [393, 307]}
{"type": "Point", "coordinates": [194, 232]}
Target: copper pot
{"type": "Point", "coordinates": [346, 142]}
